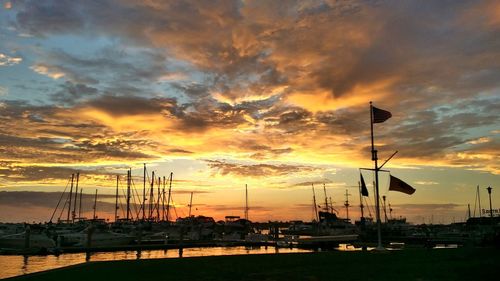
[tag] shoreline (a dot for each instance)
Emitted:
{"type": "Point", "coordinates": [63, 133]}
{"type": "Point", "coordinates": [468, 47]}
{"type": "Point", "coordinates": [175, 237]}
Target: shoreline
{"type": "Point", "coordinates": [410, 264]}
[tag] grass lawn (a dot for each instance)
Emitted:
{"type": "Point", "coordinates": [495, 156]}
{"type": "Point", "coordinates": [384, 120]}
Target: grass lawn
{"type": "Point", "coordinates": [412, 264]}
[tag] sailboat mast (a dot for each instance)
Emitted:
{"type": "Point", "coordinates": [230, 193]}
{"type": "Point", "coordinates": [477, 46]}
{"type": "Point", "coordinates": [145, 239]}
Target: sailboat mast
{"type": "Point", "coordinates": [116, 198]}
{"type": "Point", "coordinates": [163, 199]}
{"type": "Point", "coordinates": [129, 175]}
{"type": "Point", "coordinates": [377, 197]}
{"type": "Point", "coordinates": [315, 207]}
{"type": "Point", "coordinates": [73, 214]}
{"type": "Point", "coordinates": [489, 195]}
{"type": "Point", "coordinates": [158, 200]}
{"type": "Point", "coordinates": [346, 204]}
{"type": "Point", "coordinates": [95, 205]}
{"type": "Point", "coordinates": [190, 203]}
{"type": "Point", "coordinates": [80, 207]}
{"type": "Point", "coordinates": [326, 198]}
{"type": "Point", "coordinates": [169, 195]}
{"type": "Point", "coordinates": [478, 200]}
{"type": "Point", "coordinates": [246, 202]}
{"type": "Point", "coordinates": [144, 193]}
{"type": "Point", "coordinates": [151, 190]}
{"type": "Point", "coordinates": [70, 196]}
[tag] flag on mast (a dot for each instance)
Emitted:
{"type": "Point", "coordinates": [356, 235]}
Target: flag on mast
{"type": "Point", "coordinates": [380, 115]}
{"type": "Point", "coordinates": [401, 186]}
{"type": "Point", "coordinates": [364, 190]}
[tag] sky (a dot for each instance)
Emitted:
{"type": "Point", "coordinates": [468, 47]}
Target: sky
{"type": "Point", "coordinates": [272, 94]}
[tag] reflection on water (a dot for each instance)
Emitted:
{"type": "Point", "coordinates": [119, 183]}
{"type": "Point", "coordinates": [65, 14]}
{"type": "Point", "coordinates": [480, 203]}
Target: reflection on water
{"type": "Point", "coordinates": [349, 248]}
{"type": "Point", "coordinates": [445, 246]}
{"type": "Point", "coordinates": [19, 265]}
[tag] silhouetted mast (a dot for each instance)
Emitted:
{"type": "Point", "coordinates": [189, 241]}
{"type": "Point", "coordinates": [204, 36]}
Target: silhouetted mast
{"type": "Point", "coordinates": [73, 214]}
{"type": "Point", "coordinates": [489, 194]}
{"type": "Point", "coordinates": [70, 196]}
{"type": "Point", "coordinates": [315, 207]}
{"type": "Point", "coordinates": [80, 207]}
{"type": "Point", "coordinates": [144, 194]}
{"type": "Point", "coordinates": [163, 199]}
{"type": "Point", "coordinates": [116, 198]}
{"type": "Point", "coordinates": [169, 195]}
{"type": "Point", "coordinates": [361, 202]}
{"type": "Point", "coordinates": [246, 202]}
{"type": "Point", "coordinates": [346, 204]}
{"type": "Point", "coordinates": [190, 203]}
{"type": "Point", "coordinates": [382, 116]}
{"type": "Point", "coordinates": [158, 200]}
{"type": "Point", "coordinates": [326, 199]}
{"type": "Point", "coordinates": [95, 205]}
{"type": "Point", "coordinates": [151, 190]}
{"type": "Point", "coordinates": [129, 175]}
{"type": "Point", "coordinates": [479, 201]}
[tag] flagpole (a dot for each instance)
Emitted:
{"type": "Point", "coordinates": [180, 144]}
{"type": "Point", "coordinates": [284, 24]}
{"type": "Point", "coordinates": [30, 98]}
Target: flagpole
{"type": "Point", "coordinates": [377, 200]}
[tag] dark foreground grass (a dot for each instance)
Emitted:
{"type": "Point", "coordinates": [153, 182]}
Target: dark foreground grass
{"type": "Point", "coordinates": [415, 264]}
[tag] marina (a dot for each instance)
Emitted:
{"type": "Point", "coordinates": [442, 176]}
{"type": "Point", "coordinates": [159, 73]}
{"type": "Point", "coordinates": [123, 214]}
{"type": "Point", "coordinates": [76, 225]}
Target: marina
{"type": "Point", "coordinates": [249, 140]}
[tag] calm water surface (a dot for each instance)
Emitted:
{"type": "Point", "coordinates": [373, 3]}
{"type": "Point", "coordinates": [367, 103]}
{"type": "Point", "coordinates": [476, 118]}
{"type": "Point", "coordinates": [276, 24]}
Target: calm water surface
{"type": "Point", "coordinates": [19, 265]}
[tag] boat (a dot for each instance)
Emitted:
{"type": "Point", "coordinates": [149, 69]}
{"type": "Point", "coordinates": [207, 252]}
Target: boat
{"type": "Point", "coordinates": [26, 240]}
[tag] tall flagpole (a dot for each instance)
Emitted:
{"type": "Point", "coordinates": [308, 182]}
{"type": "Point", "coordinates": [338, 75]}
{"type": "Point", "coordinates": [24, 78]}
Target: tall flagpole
{"type": "Point", "coordinates": [377, 199]}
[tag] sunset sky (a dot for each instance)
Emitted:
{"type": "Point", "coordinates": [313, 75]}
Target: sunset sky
{"type": "Point", "coordinates": [273, 94]}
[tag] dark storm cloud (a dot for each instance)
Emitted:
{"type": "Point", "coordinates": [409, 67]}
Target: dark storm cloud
{"type": "Point", "coordinates": [344, 121]}
{"type": "Point", "coordinates": [132, 105]}
{"type": "Point", "coordinates": [38, 17]}
{"type": "Point", "coordinates": [114, 68]}
{"type": "Point", "coordinates": [71, 94]}
{"type": "Point", "coordinates": [428, 134]}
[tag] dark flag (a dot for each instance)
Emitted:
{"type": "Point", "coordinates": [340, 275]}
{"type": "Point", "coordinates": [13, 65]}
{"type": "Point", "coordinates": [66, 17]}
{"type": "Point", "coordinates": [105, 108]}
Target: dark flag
{"type": "Point", "coordinates": [401, 186]}
{"type": "Point", "coordinates": [364, 190]}
{"type": "Point", "coordinates": [380, 115]}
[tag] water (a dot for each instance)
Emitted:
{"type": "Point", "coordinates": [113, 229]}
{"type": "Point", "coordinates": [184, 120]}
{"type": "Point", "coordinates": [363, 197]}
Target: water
{"type": "Point", "coordinates": [20, 265]}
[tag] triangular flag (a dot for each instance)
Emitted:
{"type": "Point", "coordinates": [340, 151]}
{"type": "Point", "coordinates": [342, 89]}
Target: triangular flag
{"type": "Point", "coordinates": [380, 115]}
{"type": "Point", "coordinates": [401, 186]}
{"type": "Point", "coordinates": [364, 190]}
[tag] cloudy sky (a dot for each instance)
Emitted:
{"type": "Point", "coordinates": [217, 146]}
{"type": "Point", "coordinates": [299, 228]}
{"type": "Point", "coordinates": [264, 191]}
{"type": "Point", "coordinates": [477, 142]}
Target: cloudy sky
{"type": "Point", "coordinates": [273, 94]}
